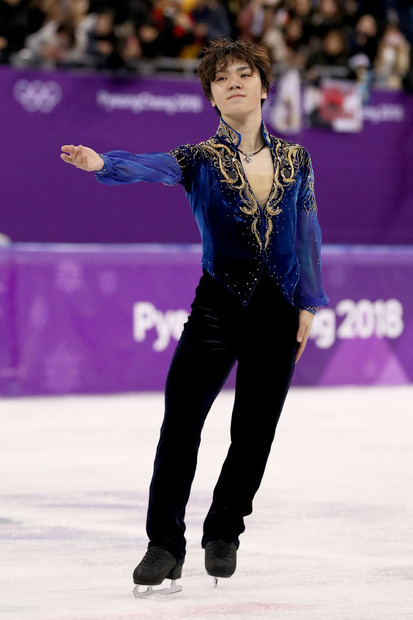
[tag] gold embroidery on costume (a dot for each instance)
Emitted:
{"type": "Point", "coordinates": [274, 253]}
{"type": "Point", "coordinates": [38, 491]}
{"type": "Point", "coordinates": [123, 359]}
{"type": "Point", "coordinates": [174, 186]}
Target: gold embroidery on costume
{"type": "Point", "coordinates": [225, 131]}
{"type": "Point", "coordinates": [286, 164]}
{"type": "Point", "coordinates": [287, 159]}
{"type": "Point", "coordinates": [311, 205]}
{"type": "Point", "coordinates": [223, 158]}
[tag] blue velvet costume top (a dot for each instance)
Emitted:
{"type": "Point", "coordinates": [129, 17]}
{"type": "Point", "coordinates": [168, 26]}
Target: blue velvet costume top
{"type": "Point", "coordinates": [239, 237]}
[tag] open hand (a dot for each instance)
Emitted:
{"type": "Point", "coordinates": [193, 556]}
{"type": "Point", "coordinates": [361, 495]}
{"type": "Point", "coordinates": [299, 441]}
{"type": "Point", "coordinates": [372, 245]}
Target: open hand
{"type": "Point", "coordinates": [82, 157]}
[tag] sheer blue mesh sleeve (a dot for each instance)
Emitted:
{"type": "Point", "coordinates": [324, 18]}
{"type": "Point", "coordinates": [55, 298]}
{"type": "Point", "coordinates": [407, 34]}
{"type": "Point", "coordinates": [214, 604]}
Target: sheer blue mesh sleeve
{"type": "Point", "coordinates": [124, 167]}
{"type": "Point", "coordinates": [308, 244]}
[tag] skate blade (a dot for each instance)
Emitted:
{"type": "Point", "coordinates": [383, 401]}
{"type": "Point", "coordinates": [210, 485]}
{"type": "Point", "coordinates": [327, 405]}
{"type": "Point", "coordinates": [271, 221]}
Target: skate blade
{"type": "Point", "coordinates": [150, 591]}
{"type": "Point", "coordinates": [215, 582]}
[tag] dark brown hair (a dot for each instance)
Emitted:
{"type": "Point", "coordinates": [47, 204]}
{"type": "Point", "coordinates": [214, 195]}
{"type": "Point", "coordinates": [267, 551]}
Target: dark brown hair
{"type": "Point", "coordinates": [221, 51]}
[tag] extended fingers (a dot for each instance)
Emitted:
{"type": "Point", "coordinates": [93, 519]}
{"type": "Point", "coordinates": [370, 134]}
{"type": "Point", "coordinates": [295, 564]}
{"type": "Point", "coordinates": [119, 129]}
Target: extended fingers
{"type": "Point", "coordinates": [73, 155]}
{"type": "Point", "coordinates": [70, 150]}
{"type": "Point", "coordinates": [69, 153]}
{"type": "Point", "coordinates": [66, 158]}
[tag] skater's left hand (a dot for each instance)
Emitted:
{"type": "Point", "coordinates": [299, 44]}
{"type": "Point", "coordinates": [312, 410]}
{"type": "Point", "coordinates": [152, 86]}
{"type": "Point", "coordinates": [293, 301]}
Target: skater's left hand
{"type": "Point", "coordinates": [305, 320]}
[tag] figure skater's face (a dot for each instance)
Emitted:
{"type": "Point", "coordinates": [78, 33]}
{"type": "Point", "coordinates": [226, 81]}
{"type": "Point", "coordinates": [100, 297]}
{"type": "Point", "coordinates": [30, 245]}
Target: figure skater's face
{"type": "Point", "coordinates": [237, 89]}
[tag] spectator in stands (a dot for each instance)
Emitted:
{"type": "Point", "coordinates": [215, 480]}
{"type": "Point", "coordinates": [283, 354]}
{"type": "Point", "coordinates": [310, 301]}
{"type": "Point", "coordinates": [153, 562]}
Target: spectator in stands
{"type": "Point", "coordinates": [297, 44]}
{"type": "Point", "coordinates": [118, 33]}
{"type": "Point", "coordinates": [266, 26]}
{"type": "Point", "coordinates": [56, 48]}
{"type": "Point", "coordinates": [253, 18]}
{"type": "Point", "coordinates": [364, 40]}
{"type": "Point", "coordinates": [328, 15]}
{"type": "Point", "coordinates": [54, 42]}
{"type": "Point", "coordinates": [274, 38]}
{"type": "Point", "coordinates": [233, 8]}
{"type": "Point", "coordinates": [393, 59]}
{"type": "Point", "coordinates": [130, 48]}
{"type": "Point", "coordinates": [58, 41]}
{"type": "Point", "coordinates": [103, 44]}
{"type": "Point", "coordinates": [84, 20]}
{"type": "Point", "coordinates": [245, 19]}
{"type": "Point", "coordinates": [332, 59]}
{"type": "Point", "coordinates": [351, 9]}
{"type": "Point", "coordinates": [175, 27]}
{"type": "Point", "coordinates": [139, 11]}
{"type": "Point", "coordinates": [40, 12]}
{"type": "Point", "coordinates": [150, 38]}
{"type": "Point", "coordinates": [210, 20]}
{"type": "Point", "coordinates": [303, 11]}
{"type": "Point", "coordinates": [13, 27]}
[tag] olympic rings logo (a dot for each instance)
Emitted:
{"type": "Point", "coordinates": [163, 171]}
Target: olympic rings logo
{"type": "Point", "coordinates": [37, 96]}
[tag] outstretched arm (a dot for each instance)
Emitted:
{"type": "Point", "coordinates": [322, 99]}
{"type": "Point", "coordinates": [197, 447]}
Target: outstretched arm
{"type": "Point", "coordinates": [82, 157]}
{"type": "Point", "coordinates": [120, 167]}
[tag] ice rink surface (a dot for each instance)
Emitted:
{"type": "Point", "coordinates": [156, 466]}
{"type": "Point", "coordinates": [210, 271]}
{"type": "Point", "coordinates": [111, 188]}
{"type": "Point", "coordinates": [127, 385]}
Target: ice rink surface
{"type": "Point", "coordinates": [331, 536]}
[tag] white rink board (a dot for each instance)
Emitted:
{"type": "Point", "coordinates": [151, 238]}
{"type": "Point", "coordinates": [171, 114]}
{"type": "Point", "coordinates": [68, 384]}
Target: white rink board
{"type": "Point", "coordinates": [331, 536]}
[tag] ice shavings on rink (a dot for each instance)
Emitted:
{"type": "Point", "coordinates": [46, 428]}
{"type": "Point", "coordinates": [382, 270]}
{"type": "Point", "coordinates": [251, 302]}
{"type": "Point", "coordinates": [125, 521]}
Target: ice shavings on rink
{"type": "Point", "coordinates": [331, 536]}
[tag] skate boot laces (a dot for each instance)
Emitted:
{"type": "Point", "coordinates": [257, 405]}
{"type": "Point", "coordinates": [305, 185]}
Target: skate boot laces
{"type": "Point", "coordinates": [220, 558]}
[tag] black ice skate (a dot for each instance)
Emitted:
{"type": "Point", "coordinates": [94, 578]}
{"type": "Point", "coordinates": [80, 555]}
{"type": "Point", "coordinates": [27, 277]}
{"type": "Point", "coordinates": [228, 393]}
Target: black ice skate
{"type": "Point", "coordinates": [220, 559]}
{"type": "Point", "coordinates": [156, 565]}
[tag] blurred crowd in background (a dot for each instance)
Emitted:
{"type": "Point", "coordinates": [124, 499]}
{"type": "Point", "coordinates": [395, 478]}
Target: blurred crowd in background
{"type": "Point", "coordinates": [338, 38]}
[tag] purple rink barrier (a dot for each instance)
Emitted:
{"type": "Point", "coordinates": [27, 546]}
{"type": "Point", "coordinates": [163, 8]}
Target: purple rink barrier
{"type": "Point", "coordinates": [364, 183]}
{"type": "Point", "coordinates": [105, 319]}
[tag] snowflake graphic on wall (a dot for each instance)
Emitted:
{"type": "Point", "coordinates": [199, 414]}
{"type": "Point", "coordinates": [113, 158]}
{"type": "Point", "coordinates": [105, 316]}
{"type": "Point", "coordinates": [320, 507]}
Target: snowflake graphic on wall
{"type": "Point", "coordinates": [61, 369]}
{"type": "Point", "coordinates": [68, 276]}
{"type": "Point", "coordinates": [108, 282]}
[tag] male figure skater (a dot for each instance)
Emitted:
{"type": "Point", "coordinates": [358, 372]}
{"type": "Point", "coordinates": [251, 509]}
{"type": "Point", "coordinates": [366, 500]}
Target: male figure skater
{"type": "Point", "coordinates": [252, 195]}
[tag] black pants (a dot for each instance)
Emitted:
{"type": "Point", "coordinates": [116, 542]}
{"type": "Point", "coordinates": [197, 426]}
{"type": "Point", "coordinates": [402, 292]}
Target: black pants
{"type": "Point", "coordinates": [261, 337]}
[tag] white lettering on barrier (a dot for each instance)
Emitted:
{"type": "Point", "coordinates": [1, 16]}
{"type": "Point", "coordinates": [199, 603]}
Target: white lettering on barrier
{"type": "Point", "coordinates": [167, 325]}
{"type": "Point", "coordinates": [360, 319]}
{"type": "Point", "coordinates": [384, 113]}
{"type": "Point", "coordinates": [145, 101]}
